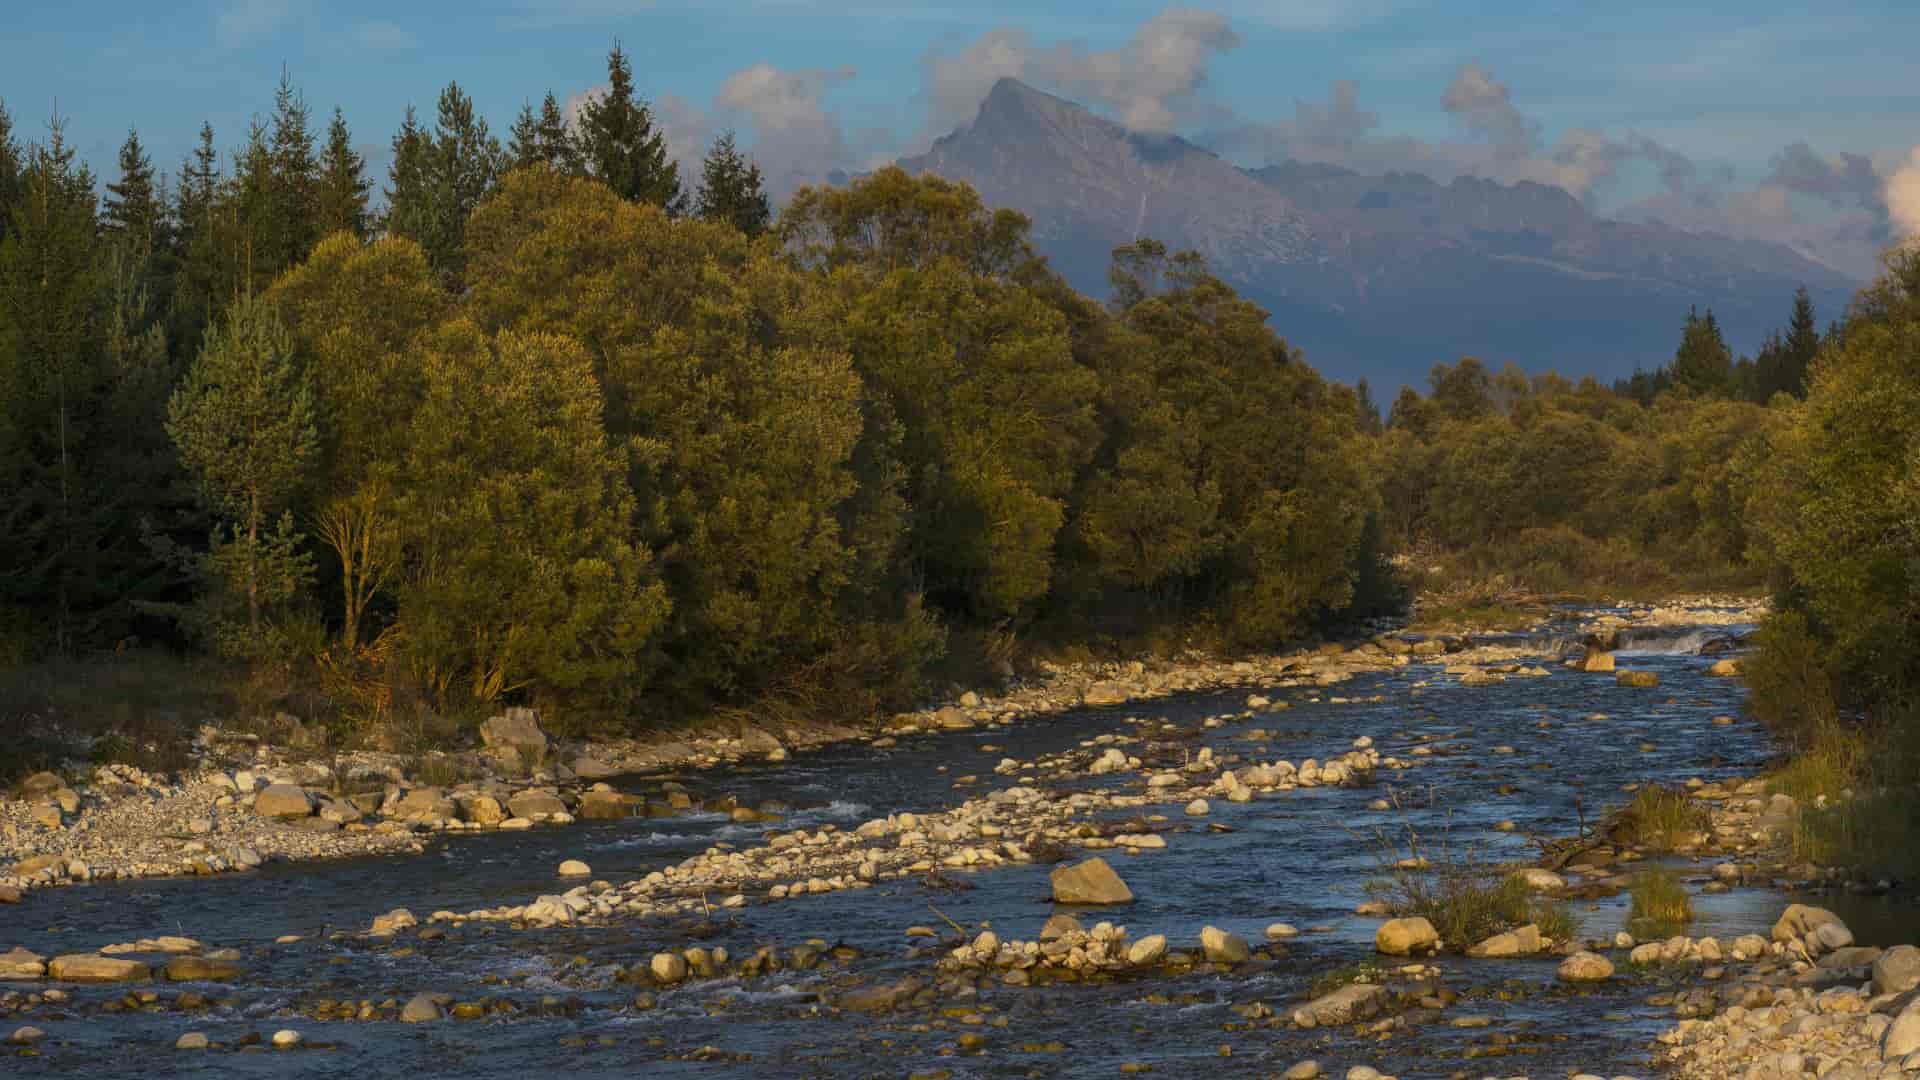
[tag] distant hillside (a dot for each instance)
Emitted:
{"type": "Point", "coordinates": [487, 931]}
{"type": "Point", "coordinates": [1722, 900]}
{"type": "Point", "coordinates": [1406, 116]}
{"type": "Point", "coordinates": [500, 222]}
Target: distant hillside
{"type": "Point", "coordinates": [1376, 275]}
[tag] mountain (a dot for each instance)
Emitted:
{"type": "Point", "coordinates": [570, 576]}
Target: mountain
{"type": "Point", "coordinates": [1380, 276]}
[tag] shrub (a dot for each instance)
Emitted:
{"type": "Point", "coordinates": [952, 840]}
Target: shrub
{"type": "Point", "coordinates": [1468, 899]}
{"type": "Point", "coordinates": [1789, 689]}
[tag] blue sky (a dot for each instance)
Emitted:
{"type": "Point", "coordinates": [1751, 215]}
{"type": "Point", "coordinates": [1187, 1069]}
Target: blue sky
{"type": "Point", "coordinates": [1727, 83]}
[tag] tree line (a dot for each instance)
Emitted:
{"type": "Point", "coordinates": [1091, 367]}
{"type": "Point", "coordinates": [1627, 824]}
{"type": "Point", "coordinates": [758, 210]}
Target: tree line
{"type": "Point", "coordinates": [547, 427]}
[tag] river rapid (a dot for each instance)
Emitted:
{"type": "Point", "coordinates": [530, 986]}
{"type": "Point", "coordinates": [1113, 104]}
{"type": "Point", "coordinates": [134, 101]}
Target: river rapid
{"type": "Point", "coordinates": [1531, 751]}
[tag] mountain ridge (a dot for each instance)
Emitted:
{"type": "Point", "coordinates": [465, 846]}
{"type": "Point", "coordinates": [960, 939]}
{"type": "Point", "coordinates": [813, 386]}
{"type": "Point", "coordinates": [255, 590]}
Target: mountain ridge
{"type": "Point", "coordinates": [1380, 275]}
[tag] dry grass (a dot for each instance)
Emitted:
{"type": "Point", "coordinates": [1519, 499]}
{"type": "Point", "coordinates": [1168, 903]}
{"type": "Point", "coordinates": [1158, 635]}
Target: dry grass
{"type": "Point", "coordinates": [139, 708]}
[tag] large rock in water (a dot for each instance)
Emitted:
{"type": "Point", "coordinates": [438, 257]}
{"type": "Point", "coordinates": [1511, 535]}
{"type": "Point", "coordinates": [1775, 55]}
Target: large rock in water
{"type": "Point", "coordinates": [1641, 679]}
{"type": "Point", "coordinates": [1405, 937]}
{"type": "Point", "coordinates": [515, 741]}
{"type": "Point", "coordinates": [1106, 693]}
{"type": "Point", "coordinates": [91, 967]}
{"type": "Point", "coordinates": [1090, 882]}
{"type": "Point", "coordinates": [1360, 1001]}
{"type": "Point", "coordinates": [283, 801]}
{"type": "Point", "coordinates": [1597, 661]}
{"type": "Point", "coordinates": [1586, 967]}
{"type": "Point", "coordinates": [21, 964]}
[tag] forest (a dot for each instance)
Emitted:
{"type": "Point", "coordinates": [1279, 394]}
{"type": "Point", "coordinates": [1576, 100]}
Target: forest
{"type": "Point", "coordinates": [546, 422]}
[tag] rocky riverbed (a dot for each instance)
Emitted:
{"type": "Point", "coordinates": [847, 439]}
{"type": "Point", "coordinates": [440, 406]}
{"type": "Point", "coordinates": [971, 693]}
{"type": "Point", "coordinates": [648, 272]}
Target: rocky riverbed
{"type": "Point", "coordinates": [1174, 882]}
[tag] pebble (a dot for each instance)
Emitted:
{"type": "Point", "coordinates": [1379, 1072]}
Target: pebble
{"type": "Point", "coordinates": [287, 1038]}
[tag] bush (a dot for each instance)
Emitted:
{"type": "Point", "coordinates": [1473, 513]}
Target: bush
{"type": "Point", "coordinates": [1468, 900]}
{"type": "Point", "coordinates": [1789, 689]}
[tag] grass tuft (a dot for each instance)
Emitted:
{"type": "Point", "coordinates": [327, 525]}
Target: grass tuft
{"type": "Point", "coordinates": [1661, 906]}
{"type": "Point", "coordinates": [1660, 818]}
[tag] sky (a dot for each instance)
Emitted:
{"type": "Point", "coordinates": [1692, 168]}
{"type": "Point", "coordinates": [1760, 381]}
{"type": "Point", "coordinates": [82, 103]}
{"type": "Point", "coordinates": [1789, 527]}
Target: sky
{"type": "Point", "coordinates": [1786, 122]}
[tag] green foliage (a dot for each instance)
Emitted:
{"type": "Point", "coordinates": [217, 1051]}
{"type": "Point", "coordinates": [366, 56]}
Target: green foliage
{"type": "Point", "coordinates": [438, 179]}
{"type": "Point", "coordinates": [731, 190]}
{"type": "Point", "coordinates": [1661, 818]}
{"type": "Point", "coordinates": [340, 196]}
{"type": "Point", "coordinates": [1661, 906]}
{"type": "Point", "coordinates": [1469, 900]}
{"type": "Point", "coordinates": [521, 573]}
{"type": "Point", "coordinates": [243, 421]}
{"type": "Point", "coordinates": [1703, 364]}
{"type": "Point", "coordinates": [620, 145]}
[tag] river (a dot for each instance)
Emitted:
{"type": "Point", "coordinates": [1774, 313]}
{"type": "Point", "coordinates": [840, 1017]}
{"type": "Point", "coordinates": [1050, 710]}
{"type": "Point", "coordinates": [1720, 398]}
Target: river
{"type": "Point", "coordinates": [1301, 857]}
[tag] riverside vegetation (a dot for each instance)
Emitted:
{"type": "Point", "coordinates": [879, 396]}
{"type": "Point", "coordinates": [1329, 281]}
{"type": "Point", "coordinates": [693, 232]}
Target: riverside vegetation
{"type": "Point", "coordinates": [552, 429]}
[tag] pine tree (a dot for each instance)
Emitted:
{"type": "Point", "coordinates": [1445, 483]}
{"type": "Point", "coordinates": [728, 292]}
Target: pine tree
{"type": "Point", "coordinates": [245, 222]}
{"type": "Point", "coordinates": [341, 203]}
{"type": "Point", "coordinates": [1367, 409]}
{"type": "Point", "coordinates": [731, 190]}
{"type": "Point", "coordinates": [292, 223]}
{"type": "Point", "coordinates": [51, 389]}
{"type": "Point", "coordinates": [133, 210]}
{"type": "Point", "coordinates": [244, 424]}
{"type": "Point", "coordinates": [621, 146]}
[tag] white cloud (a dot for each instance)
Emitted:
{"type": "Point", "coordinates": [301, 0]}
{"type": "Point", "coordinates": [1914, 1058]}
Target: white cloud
{"type": "Point", "coordinates": [383, 36]}
{"type": "Point", "coordinates": [1903, 197]}
{"type": "Point", "coordinates": [243, 22]}
{"type": "Point", "coordinates": [1151, 82]}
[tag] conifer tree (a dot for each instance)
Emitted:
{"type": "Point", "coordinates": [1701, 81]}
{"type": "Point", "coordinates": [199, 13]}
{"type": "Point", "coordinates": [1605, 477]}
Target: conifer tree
{"type": "Point", "coordinates": [292, 223]}
{"type": "Point", "coordinates": [341, 199]}
{"type": "Point", "coordinates": [51, 382]}
{"type": "Point", "coordinates": [731, 190]}
{"type": "Point", "coordinates": [523, 138]}
{"type": "Point", "coordinates": [409, 206]}
{"type": "Point", "coordinates": [621, 146]}
{"type": "Point", "coordinates": [11, 169]}
{"type": "Point", "coordinates": [438, 179]}
{"type": "Point", "coordinates": [555, 141]}
{"type": "Point", "coordinates": [1800, 346]}
{"type": "Point", "coordinates": [243, 421]}
{"type": "Point", "coordinates": [133, 210]}
{"type": "Point", "coordinates": [1703, 364]}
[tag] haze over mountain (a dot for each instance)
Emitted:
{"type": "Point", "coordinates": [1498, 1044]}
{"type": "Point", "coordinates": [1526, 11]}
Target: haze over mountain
{"type": "Point", "coordinates": [1376, 275]}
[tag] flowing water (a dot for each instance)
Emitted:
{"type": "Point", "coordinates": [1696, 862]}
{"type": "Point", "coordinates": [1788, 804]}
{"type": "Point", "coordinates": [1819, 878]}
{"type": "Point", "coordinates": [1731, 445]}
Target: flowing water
{"type": "Point", "coordinates": [1301, 857]}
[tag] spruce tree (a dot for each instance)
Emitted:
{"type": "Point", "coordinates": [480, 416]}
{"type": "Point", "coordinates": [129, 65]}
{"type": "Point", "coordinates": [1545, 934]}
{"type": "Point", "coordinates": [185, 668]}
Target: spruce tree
{"type": "Point", "coordinates": [292, 223]}
{"type": "Point", "coordinates": [409, 205]}
{"type": "Point", "coordinates": [523, 138]}
{"type": "Point", "coordinates": [51, 390]}
{"type": "Point", "coordinates": [556, 143]}
{"type": "Point", "coordinates": [132, 210]}
{"type": "Point", "coordinates": [341, 203]}
{"type": "Point", "coordinates": [622, 148]}
{"type": "Point", "coordinates": [1703, 364]}
{"type": "Point", "coordinates": [438, 179]}
{"type": "Point", "coordinates": [731, 190]}
{"type": "Point", "coordinates": [10, 171]}
{"type": "Point", "coordinates": [1801, 345]}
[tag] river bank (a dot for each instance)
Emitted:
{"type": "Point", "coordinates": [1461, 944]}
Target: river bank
{"type": "Point", "coordinates": [118, 822]}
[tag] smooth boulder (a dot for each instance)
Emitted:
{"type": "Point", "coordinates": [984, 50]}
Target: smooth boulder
{"type": "Point", "coordinates": [92, 967]}
{"type": "Point", "coordinates": [283, 801]}
{"type": "Point", "coordinates": [1586, 967]}
{"type": "Point", "coordinates": [1089, 882]}
{"type": "Point", "coordinates": [1406, 937]}
{"type": "Point", "coordinates": [1223, 946]}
